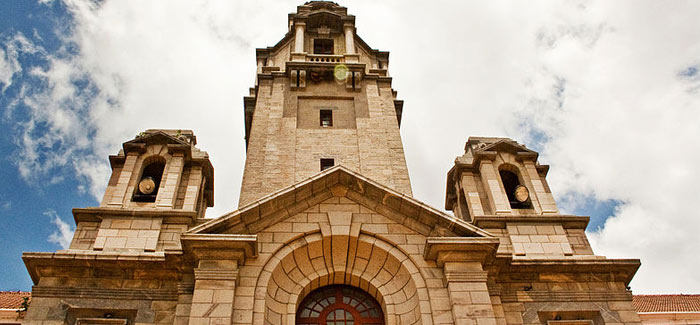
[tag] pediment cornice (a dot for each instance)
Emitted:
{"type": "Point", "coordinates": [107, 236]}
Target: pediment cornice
{"type": "Point", "coordinates": [340, 182]}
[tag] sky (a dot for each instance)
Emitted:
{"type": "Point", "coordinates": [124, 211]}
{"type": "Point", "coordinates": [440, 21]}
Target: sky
{"type": "Point", "coordinates": [607, 91]}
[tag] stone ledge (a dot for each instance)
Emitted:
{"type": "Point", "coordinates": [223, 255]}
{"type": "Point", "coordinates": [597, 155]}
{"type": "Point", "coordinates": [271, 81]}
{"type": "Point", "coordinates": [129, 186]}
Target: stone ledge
{"type": "Point", "coordinates": [223, 246]}
{"type": "Point", "coordinates": [548, 296]}
{"type": "Point", "coordinates": [169, 216]}
{"type": "Point", "coordinates": [460, 249]}
{"type": "Point", "coordinates": [70, 259]}
{"type": "Point", "coordinates": [624, 267]}
{"type": "Point", "coordinates": [499, 221]}
{"type": "Point", "coordinates": [102, 293]}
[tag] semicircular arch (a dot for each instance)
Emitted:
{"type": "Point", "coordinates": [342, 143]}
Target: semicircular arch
{"type": "Point", "coordinates": [364, 261]}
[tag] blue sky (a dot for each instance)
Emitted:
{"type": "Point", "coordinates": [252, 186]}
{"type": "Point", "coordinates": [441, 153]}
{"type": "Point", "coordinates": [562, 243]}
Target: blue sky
{"type": "Point", "coordinates": [29, 208]}
{"type": "Point", "coordinates": [607, 92]}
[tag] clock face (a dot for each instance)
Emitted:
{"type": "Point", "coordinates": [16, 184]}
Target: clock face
{"type": "Point", "coordinates": [147, 185]}
{"type": "Point", "coordinates": [521, 193]}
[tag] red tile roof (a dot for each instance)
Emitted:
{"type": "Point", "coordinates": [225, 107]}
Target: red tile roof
{"type": "Point", "coordinates": [12, 299]}
{"type": "Point", "coordinates": [666, 303]}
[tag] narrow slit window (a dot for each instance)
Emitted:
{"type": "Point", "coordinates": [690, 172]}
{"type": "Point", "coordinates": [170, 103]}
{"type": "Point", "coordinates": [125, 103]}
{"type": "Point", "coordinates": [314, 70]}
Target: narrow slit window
{"type": "Point", "coordinates": [327, 163]}
{"type": "Point", "coordinates": [326, 118]}
{"type": "Point", "coordinates": [323, 46]}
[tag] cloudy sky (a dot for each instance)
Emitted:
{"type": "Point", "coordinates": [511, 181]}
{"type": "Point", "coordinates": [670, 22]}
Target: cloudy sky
{"type": "Point", "coordinates": [607, 91]}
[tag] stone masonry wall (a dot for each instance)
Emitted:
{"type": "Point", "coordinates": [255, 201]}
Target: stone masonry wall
{"type": "Point", "coordinates": [339, 218]}
{"type": "Point", "coordinates": [281, 153]}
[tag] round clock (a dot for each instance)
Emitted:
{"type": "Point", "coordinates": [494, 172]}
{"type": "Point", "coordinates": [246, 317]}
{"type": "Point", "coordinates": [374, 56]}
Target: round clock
{"type": "Point", "coordinates": [521, 193]}
{"type": "Point", "coordinates": [147, 185]}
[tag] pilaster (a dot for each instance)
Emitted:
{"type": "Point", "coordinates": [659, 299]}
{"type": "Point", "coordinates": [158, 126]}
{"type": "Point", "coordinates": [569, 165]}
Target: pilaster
{"type": "Point", "coordinates": [546, 199]}
{"type": "Point", "coordinates": [124, 177]}
{"type": "Point", "coordinates": [494, 190]}
{"type": "Point", "coordinates": [299, 37]}
{"type": "Point", "coordinates": [212, 299]}
{"type": "Point", "coordinates": [166, 198]}
{"type": "Point", "coordinates": [349, 38]}
{"type": "Point", "coordinates": [193, 188]}
{"type": "Point", "coordinates": [463, 260]}
{"type": "Point", "coordinates": [471, 195]}
{"type": "Point", "coordinates": [466, 286]}
{"type": "Point", "coordinates": [218, 258]}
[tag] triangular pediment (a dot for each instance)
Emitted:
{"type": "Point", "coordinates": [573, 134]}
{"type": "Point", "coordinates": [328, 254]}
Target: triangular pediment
{"type": "Point", "coordinates": [506, 145]}
{"type": "Point", "coordinates": [157, 137]}
{"type": "Point", "coordinates": [339, 182]}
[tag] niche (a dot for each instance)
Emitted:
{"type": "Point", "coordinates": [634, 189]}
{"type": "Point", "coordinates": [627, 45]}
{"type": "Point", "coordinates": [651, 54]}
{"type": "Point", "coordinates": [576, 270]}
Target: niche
{"type": "Point", "coordinates": [149, 183]}
{"type": "Point", "coordinates": [518, 194]}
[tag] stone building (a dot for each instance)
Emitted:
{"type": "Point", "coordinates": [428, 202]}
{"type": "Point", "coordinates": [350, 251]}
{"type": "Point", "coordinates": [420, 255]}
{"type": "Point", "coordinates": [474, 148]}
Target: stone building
{"type": "Point", "coordinates": [327, 230]}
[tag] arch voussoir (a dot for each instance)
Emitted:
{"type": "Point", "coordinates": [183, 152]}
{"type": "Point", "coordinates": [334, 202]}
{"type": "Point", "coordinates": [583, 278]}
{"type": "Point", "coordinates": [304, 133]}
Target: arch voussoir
{"type": "Point", "coordinates": [366, 262]}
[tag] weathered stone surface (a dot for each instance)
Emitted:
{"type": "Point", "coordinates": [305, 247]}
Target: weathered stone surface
{"type": "Point", "coordinates": [155, 260]}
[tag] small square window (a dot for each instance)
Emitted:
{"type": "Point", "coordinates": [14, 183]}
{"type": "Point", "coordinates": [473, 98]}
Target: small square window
{"type": "Point", "coordinates": [327, 163]}
{"type": "Point", "coordinates": [323, 46]}
{"type": "Point", "coordinates": [326, 118]}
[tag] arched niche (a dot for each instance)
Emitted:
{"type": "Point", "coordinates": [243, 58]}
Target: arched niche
{"type": "Point", "coordinates": [364, 261]}
{"type": "Point", "coordinates": [151, 174]}
{"type": "Point", "coordinates": [511, 179]}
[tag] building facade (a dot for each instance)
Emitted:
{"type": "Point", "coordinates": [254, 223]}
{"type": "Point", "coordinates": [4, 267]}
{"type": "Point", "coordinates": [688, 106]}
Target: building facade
{"type": "Point", "coordinates": [327, 230]}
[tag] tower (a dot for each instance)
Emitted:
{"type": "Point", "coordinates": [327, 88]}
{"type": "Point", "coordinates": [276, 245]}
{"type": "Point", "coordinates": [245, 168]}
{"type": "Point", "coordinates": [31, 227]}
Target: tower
{"type": "Point", "coordinates": [160, 186]}
{"type": "Point", "coordinates": [323, 97]}
{"type": "Point", "coordinates": [327, 231]}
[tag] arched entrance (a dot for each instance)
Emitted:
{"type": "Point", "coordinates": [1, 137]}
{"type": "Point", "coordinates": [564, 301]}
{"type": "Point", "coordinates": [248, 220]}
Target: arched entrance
{"type": "Point", "coordinates": [339, 305]}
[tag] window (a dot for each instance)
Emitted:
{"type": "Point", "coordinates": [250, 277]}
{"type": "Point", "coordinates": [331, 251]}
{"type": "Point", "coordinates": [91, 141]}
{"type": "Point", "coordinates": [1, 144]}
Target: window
{"type": "Point", "coordinates": [339, 304]}
{"type": "Point", "coordinates": [327, 163]}
{"type": "Point", "coordinates": [323, 46]}
{"type": "Point", "coordinates": [147, 187]}
{"type": "Point", "coordinates": [326, 118]}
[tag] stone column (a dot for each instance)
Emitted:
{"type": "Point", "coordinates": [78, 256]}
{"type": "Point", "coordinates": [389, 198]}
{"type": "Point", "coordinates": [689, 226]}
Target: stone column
{"type": "Point", "coordinates": [123, 182]}
{"type": "Point", "coordinates": [545, 199]}
{"type": "Point", "coordinates": [212, 299]}
{"type": "Point", "coordinates": [497, 196]}
{"type": "Point", "coordinates": [466, 286]}
{"type": "Point", "coordinates": [349, 38]}
{"type": "Point", "coordinates": [299, 37]}
{"type": "Point", "coordinates": [194, 186]}
{"type": "Point", "coordinates": [171, 177]}
{"type": "Point", "coordinates": [463, 260]}
{"type": "Point", "coordinates": [471, 195]}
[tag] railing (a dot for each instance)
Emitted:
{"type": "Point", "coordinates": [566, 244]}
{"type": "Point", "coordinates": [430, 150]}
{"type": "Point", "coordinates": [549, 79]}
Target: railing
{"type": "Point", "coordinates": [324, 58]}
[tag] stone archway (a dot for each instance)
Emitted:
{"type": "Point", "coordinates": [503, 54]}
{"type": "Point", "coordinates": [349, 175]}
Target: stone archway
{"type": "Point", "coordinates": [363, 261]}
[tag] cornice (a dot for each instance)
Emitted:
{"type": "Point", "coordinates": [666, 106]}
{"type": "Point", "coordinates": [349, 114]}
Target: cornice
{"type": "Point", "coordinates": [500, 221]}
{"type": "Point", "coordinates": [104, 293]}
{"type": "Point", "coordinates": [96, 214]}
{"type": "Point", "coordinates": [460, 249]}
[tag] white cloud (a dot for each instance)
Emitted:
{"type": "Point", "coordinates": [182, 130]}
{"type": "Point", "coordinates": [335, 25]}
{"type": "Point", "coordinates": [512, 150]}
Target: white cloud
{"type": "Point", "coordinates": [605, 88]}
{"type": "Point", "coordinates": [9, 54]}
{"type": "Point", "coordinates": [64, 234]}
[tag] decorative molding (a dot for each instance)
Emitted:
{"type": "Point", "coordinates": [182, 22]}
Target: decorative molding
{"type": "Point", "coordinates": [215, 274]}
{"type": "Point", "coordinates": [460, 249]}
{"type": "Point", "coordinates": [185, 288]}
{"type": "Point", "coordinates": [100, 293]}
{"type": "Point", "coordinates": [474, 276]}
{"type": "Point", "coordinates": [499, 221]}
{"type": "Point", "coordinates": [549, 296]}
{"type": "Point", "coordinates": [101, 321]}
